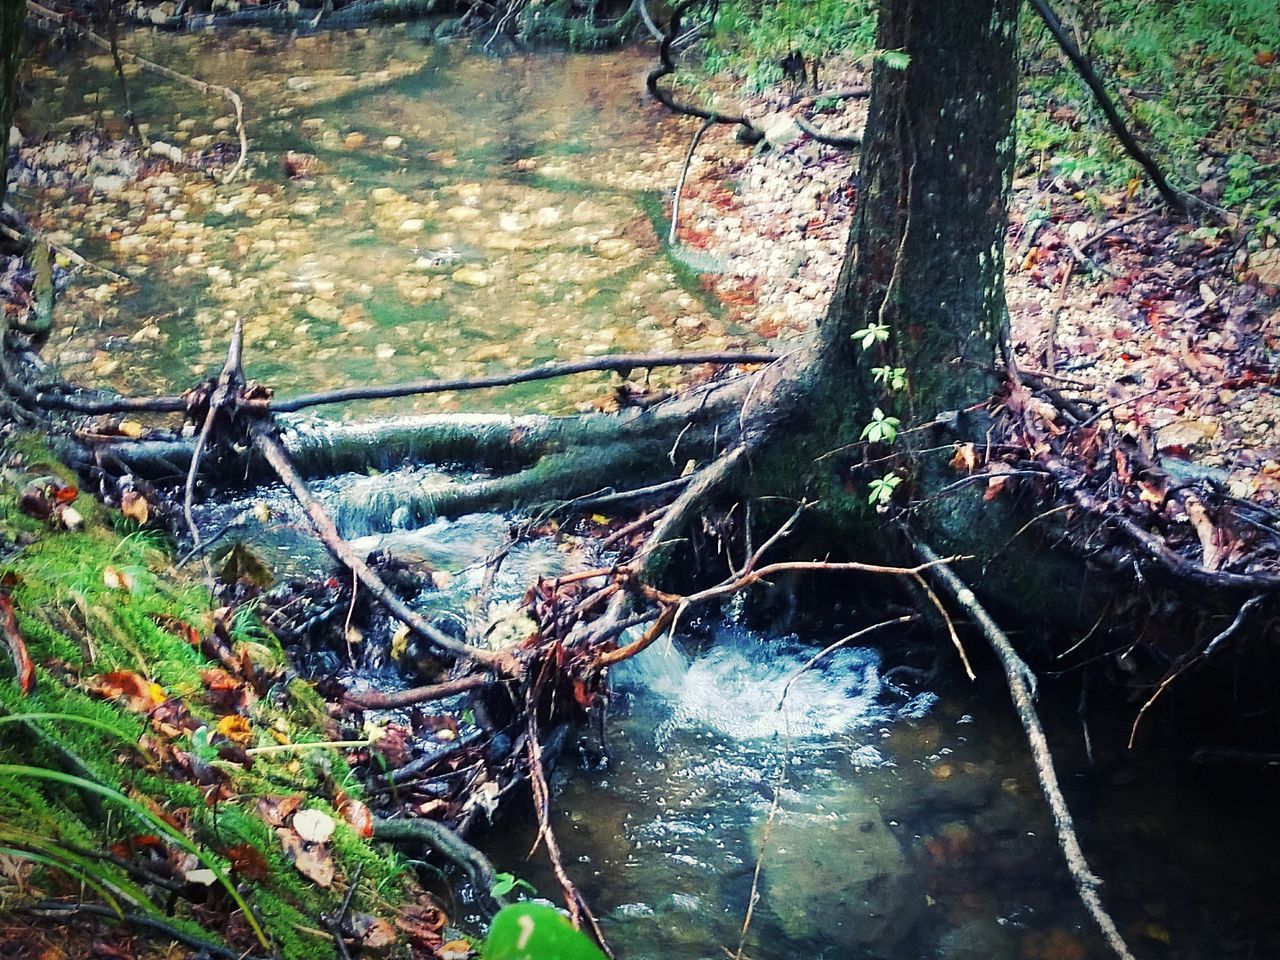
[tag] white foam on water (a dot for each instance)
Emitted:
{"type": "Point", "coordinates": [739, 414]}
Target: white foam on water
{"type": "Point", "coordinates": [735, 688]}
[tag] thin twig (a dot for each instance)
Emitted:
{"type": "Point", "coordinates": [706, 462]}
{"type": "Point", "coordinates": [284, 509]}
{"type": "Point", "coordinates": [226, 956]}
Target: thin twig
{"type": "Point", "coordinates": [684, 173]}
{"type": "Point", "coordinates": [1241, 615]}
{"type": "Point", "coordinates": [223, 393]}
{"type": "Point", "coordinates": [1022, 690]}
{"type": "Point", "coordinates": [102, 43]}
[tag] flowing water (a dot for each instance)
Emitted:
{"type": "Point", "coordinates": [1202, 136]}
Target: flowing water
{"type": "Point", "coordinates": [906, 825]}
{"type": "Point", "coordinates": [460, 215]}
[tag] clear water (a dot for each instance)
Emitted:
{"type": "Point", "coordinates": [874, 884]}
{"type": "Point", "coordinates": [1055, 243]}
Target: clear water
{"type": "Point", "coordinates": [505, 223]}
{"type": "Point", "coordinates": [907, 825]}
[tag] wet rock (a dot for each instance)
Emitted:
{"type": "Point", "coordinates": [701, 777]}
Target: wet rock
{"type": "Point", "coordinates": [109, 185]}
{"type": "Point", "coordinates": [976, 940]}
{"type": "Point", "coordinates": [319, 309]}
{"type": "Point", "coordinates": [833, 871]}
{"type": "Point", "coordinates": [1188, 434]}
{"type": "Point", "coordinates": [614, 248]}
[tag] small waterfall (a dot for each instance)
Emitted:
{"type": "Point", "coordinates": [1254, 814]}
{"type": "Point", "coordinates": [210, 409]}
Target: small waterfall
{"type": "Point", "coordinates": [735, 688]}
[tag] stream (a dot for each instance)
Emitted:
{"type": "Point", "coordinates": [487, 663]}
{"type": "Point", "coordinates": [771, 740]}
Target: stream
{"type": "Point", "coordinates": [461, 215]}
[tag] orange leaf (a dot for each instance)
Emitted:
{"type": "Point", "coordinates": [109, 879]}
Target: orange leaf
{"type": "Point", "coordinates": [965, 459]}
{"type": "Point", "coordinates": [139, 694]}
{"type": "Point", "coordinates": [358, 815]}
{"type": "Point", "coordinates": [235, 728]}
{"type": "Point", "coordinates": [277, 809]}
{"type": "Point", "coordinates": [22, 664]}
{"type": "Point", "coordinates": [248, 861]}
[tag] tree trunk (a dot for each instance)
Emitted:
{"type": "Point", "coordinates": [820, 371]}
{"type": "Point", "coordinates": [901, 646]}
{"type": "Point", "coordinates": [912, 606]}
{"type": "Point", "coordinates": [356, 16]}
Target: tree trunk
{"type": "Point", "coordinates": [12, 15]}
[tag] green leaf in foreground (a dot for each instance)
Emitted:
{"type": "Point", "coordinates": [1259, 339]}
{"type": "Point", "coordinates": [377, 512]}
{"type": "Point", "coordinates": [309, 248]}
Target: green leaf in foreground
{"type": "Point", "coordinates": [534, 931]}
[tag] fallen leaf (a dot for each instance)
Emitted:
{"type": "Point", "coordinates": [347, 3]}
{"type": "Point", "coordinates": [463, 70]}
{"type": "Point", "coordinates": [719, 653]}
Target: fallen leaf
{"type": "Point", "coordinates": [965, 459]}
{"type": "Point", "coordinates": [235, 728]}
{"type": "Point", "coordinates": [22, 665]}
{"type": "Point", "coordinates": [312, 860]}
{"type": "Point", "coordinates": [134, 506]}
{"type": "Point", "coordinates": [374, 933]}
{"type": "Point", "coordinates": [276, 809]}
{"type": "Point", "coordinates": [116, 579]}
{"type": "Point", "coordinates": [139, 694]}
{"type": "Point", "coordinates": [248, 861]}
{"type": "Point", "coordinates": [358, 815]}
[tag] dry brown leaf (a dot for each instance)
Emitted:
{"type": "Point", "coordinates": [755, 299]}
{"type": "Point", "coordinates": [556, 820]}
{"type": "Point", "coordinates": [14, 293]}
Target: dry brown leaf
{"type": "Point", "coordinates": [312, 860]}
{"type": "Point", "coordinates": [374, 933]}
{"type": "Point", "coordinates": [139, 694]}
{"type": "Point", "coordinates": [134, 506]}
{"type": "Point", "coordinates": [965, 459]}
{"type": "Point", "coordinates": [276, 809]}
{"type": "Point", "coordinates": [1216, 544]}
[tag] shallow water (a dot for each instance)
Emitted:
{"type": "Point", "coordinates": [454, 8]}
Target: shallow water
{"type": "Point", "coordinates": [907, 825]}
{"type": "Point", "coordinates": [460, 215]}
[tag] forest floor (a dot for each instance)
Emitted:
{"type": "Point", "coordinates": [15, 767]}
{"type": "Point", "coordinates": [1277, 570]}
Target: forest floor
{"type": "Point", "coordinates": [1161, 331]}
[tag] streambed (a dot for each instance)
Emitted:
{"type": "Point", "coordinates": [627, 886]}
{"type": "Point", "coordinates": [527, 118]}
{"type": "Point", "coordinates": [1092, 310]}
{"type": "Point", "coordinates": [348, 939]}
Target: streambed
{"type": "Point", "coordinates": [450, 215]}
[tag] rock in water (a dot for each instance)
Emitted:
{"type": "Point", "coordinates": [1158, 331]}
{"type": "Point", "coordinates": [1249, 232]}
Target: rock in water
{"type": "Point", "coordinates": [833, 872]}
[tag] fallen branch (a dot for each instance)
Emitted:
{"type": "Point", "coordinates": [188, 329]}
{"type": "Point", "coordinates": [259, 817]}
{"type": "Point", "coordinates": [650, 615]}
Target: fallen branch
{"type": "Point", "coordinates": [1171, 196]}
{"type": "Point", "coordinates": [273, 451]}
{"type": "Point", "coordinates": [102, 43]}
{"type": "Point", "coordinates": [224, 393]}
{"type": "Point", "coordinates": [27, 234]}
{"type": "Point", "coordinates": [577, 904]}
{"type": "Point", "coordinates": [378, 700]}
{"type": "Point", "coordinates": [1241, 615]}
{"type": "Point", "coordinates": [442, 840]}
{"type": "Point", "coordinates": [666, 67]}
{"type": "Point", "coordinates": [149, 924]}
{"type": "Point", "coordinates": [829, 139]}
{"type": "Point", "coordinates": [1022, 690]}
{"type": "Point", "coordinates": [621, 363]}
{"type": "Point", "coordinates": [684, 173]}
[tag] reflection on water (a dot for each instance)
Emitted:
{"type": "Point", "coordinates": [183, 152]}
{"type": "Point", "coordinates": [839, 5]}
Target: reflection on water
{"type": "Point", "coordinates": [459, 215]}
{"type": "Point", "coordinates": [906, 827]}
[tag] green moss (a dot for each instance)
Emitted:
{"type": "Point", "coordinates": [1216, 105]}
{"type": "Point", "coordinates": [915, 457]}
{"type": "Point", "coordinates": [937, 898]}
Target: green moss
{"type": "Point", "coordinates": [92, 601]}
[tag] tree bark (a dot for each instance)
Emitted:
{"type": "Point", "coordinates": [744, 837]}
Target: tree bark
{"type": "Point", "coordinates": [12, 15]}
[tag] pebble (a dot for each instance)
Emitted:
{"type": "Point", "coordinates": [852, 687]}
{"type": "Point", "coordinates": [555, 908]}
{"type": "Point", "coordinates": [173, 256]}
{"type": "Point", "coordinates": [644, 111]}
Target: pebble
{"type": "Point", "coordinates": [471, 276]}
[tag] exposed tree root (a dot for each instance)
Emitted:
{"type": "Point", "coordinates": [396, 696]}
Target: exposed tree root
{"type": "Point", "coordinates": [1022, 689]}
{"type": "Point", "coordinates": [431, 833]}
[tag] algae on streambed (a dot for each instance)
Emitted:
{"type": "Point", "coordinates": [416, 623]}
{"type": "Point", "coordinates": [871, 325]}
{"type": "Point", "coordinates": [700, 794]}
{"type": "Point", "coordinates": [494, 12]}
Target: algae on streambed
{"type": "Point", "coordinates": [128, 702]}
{"type": "Point", "coordinates": [451, 215]}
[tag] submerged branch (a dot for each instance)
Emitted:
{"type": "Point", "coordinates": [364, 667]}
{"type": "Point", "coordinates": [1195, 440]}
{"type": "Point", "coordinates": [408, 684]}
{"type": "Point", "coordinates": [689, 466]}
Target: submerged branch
{"type": "Point", "coordinates": [102, 43]}
{"type": "Point", "coordinates": [621, 363]}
